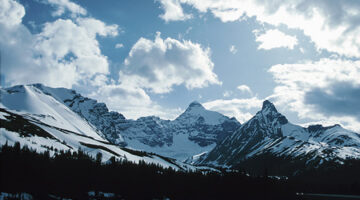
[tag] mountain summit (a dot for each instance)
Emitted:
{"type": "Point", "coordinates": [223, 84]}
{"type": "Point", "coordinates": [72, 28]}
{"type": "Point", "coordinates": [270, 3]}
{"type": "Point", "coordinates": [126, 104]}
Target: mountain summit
{"type": "Point", "coordinates": [267, 105]}
{"type": "Point", "coordinates": [195, 104]}
{"type": "Point", "coordinates": [196, 113]}
{"type": "Point", "coordinates": [38, 117]}
{"type": "Point", "coordinates": [269, 114]}
{"type": "Point", "coordinates": [270, 133]}
{"type": "Point", "coordinates": [195, 131]}
{"type": "Point", "coordinates": [46, 118]}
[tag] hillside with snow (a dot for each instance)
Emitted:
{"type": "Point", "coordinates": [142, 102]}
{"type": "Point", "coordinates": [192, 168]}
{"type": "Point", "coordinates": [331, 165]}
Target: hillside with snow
{"type": "Point", "coordinates": [33, 117]}
{"type": "Point", "coordinates": [56, 119]}
{"type": "Point", "coordinates": [195, 131]}
{"type": "Point", "coordinates": [270, 133]}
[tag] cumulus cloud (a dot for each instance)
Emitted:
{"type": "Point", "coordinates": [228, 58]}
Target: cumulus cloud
{"type": "Point", "coordinates": [65, 53]}
{"type": "Point", "coordinates": [275, 39]}
{"type": "Point", "coordinates": [239, 108]}
{"type": "Point", "coordinates": [65, 5]}
{"type": "Point", "coordinates": [232, 49]}
{"type": "Point", "coordinates": [332, 26]}
{"type": "Point", "coordinates": [160, 64]}
{"type": "Point", "coordinates": [11, 13]}
{"type": "Point", "coordinates": [328, 89]}
{"type": "Point", "coordinates": [96, 27]}
{"type": "Point", "coordinates": [132, 102]}
{"type": "Point", "coordinates": [119, 45]}
{"type": "Point", "coordinates": [117, 95]}
{"type": "Point", "coordinates": [339, 99]}
{"type": "Point", "coordinates": [244, 88]}
{"type": "Point", "coordinates": [173, 11]}
{"type": "Point", "coordinates": [227, 93]}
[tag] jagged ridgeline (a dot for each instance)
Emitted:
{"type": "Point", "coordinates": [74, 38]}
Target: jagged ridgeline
{"type": "Point", "coordinates": [269, 140]}
{"type": "Point", "coordinates": [55, 119]}
{"type": "Point", "coordinates": [195, 131]}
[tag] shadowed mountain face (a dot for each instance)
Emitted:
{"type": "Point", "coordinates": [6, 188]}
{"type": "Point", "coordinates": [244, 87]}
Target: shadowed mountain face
{"type": "Point", "coordinates": [64, 119]}
{"type": "Point", "coordinates": [270, 133]}
{"type": "Point", "coordinates": [195, 131]}
{"type": "Point", "coordinates": [36, 118]}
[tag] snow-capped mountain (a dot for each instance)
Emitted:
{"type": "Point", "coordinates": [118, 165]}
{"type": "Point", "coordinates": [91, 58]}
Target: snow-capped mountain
{"type": "Point", "coordinates": [270, 133]}
{"type": "Point", "coordinates": [195, 131]}
{"type": "Point", "coordinates": [56, 119]}
{"type": "Point", "coordinates": [35, 117]}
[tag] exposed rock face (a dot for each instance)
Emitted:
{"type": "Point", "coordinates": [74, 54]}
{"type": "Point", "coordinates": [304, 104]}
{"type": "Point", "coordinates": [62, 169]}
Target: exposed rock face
{"type": "Point", "coordinates": [195, 131]}
{"type": "Point", "coordinates": [37, 117]}
{"type": "Point", "coordinates": [270, 133]}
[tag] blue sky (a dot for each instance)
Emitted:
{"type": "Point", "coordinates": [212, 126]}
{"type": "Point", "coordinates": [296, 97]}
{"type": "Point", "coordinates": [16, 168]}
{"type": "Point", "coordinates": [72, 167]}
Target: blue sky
{"type": "Point", "coordinates": [154, 57]}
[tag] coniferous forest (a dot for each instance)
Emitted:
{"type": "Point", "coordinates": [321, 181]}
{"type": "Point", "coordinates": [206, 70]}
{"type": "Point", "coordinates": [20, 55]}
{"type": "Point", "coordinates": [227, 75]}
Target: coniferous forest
{"type": "Point", "coordinates": [73, 175]}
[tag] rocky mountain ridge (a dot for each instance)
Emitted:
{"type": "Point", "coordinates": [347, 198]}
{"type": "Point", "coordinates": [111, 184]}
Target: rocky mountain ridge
{"type": "Point", "coordinates": [199, 136]}
{"type": "Point", "coordinates": [195, 131]}
{"type": "Point", "coordinates": [36, 119]}
{"type": "Point", "coordinates": [270, 133]}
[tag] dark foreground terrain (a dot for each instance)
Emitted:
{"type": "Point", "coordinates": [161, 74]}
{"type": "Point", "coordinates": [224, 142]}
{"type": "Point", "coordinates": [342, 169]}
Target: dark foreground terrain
{"type": "Point", "coordinates": [74, 175]}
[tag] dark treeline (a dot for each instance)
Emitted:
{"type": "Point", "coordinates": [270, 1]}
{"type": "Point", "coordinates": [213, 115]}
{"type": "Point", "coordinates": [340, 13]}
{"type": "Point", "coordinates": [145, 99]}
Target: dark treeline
{"type": "Point", "coordinates": [329, 178]}
{"type": "Point", "coordinates": [72, 175]}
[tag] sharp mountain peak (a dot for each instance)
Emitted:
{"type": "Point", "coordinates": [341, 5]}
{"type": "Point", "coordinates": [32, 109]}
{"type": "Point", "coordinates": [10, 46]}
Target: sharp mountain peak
{"type": "Point", "coordinates": [195, 104]}
{"type": "Point", "coordinates": [267, 105]}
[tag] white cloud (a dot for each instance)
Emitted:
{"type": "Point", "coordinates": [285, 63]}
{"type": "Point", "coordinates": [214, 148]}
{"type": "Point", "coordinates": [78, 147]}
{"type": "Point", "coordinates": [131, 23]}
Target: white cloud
{"type": "Point", "coordinates": [332, 26]}
{"type": "Point", "coordinates": [244, 88]}
{"type": "Point", "coordinates": [326, 90]}
{"type": "Point", "coordinates": [275, 39]}
{"type": "Point", "coordinates": [232, 49]}
{"type": "Point", "coordinates": [239, 108]}
{"type": "Point", "coordinates": [227, 93]}
{"type": "Point", "coordinates": [64, 53]}
{"type": "Point", "coordinates": [11, 13]}
{"type": "Point", "coordinates": [99, 80]}
{"type": "Point", "coordinates": [187, 31]}
{"type": "Point", "coordinates": [96, 27]}
{"type": "Point", "coordinates": [302, 50]}
{"type": "Point", "coordinates": [160, 64]}
{"type": "Point", "coordinates": [119, 45]}
{"type": "Point", "coordinates": [132, 102]}
{"type": "Point", "coordinates": [173, 11]}
{"type": "Point", "coordinates": [118, 95]}
{"type": "Point", "coordinates": [66, 5]}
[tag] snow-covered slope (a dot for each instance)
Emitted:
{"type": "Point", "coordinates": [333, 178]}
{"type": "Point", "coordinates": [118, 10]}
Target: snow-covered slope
{"type": "Point", "coordinates": [269, 132]}
{"type": "Point", "coordinates": [196, 112]}
{"type": "Point", "coordinates": [196, 131]}
{"type": "Point", "coordinates": [36, 118]}
{"type": "Point", "coordinates": [56, 119]}
{"type": "Point", "coordinates": [31, 101]}
{"type": "Point", "coordinates": [181, 138]}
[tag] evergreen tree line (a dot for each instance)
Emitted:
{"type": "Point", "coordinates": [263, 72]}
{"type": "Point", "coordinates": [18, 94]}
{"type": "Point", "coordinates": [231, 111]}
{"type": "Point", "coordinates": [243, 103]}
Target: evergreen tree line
{"type": "Point", "coordinates": [74, 174]}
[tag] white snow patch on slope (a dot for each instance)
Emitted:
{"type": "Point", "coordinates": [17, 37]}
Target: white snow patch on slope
{"type": "Point", "coordinates": [196, 110]}
{"type": "Point", "coordinates": [32, 101]}
{"type": "Point", "coordinates": [181, 149]}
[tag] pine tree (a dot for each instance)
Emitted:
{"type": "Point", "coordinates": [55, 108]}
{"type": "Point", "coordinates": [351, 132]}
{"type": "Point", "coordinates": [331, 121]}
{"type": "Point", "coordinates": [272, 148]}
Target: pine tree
{"type": "Point", "coordinates": [98, 158]}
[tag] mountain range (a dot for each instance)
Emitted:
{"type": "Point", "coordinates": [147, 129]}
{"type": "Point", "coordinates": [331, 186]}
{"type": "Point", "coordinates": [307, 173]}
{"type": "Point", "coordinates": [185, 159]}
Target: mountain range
{"type": "Point", "coordinates": [270, 134]}
{"type": "Point", "coordinates": [57, 119]}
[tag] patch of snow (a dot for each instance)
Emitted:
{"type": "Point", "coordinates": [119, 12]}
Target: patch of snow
{"type": "Point", "coordinates": [181, 148]}
{"type": "Point", "coordinates": [46, 109]}
{"type": "Point", "coordinates": [196, 110]}
{"type": "Point", "coordinates": [22, 196]}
